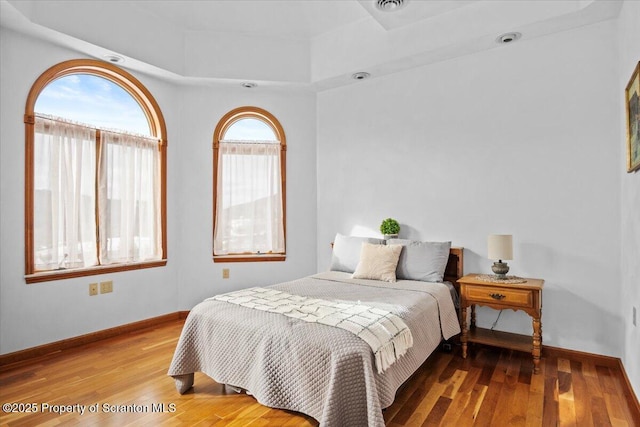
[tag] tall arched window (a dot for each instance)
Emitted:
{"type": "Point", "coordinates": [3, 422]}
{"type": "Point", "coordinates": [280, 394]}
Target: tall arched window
{"type": "Point", "coordinates": [95, 184]}
{"type": "Point", "coordinates": [249, 158]}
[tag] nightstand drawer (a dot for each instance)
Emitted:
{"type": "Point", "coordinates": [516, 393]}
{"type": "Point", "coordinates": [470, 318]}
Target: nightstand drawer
{"type": "Point", "coordinates": [499, 295]}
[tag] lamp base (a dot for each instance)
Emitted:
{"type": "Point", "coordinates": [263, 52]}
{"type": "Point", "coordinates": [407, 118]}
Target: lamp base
{"type": "Point", "coordinates": [500, 269]}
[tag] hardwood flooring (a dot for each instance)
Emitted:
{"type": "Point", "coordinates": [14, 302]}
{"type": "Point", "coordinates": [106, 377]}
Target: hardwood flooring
{"type": "Point", "coordinates": [122, 381]}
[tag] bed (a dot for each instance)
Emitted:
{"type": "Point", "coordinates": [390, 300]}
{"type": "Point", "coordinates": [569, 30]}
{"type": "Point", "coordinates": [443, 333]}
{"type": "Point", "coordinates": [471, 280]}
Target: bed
{"type": "Point", "coordinates": [322, 371]}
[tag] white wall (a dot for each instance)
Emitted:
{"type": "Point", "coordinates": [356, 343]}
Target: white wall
{"type": "Point", "coordinates": [521, 139]}
{"type": "Point", "coordinates": [629, 34]}
{"type": "Point", "coordinates": [36, 314]}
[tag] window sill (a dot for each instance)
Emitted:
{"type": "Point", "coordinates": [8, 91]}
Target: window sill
{"type": "Point", "coordinates": [249, 258]}
{"type": "Point", "coordinates": [47, 276]}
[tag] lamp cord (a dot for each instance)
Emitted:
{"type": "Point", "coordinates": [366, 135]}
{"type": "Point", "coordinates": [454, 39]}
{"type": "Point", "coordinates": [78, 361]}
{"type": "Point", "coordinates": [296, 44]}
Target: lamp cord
{"type": "Point", "coordinates": [496, 322]}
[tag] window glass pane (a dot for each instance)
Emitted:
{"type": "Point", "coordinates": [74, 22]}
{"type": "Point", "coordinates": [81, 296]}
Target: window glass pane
{"type": "Point", "coordinates": [250, 215]}
{"type": "Point", "coordinates": [250, 130]}
{"type": "Point", "coordinates": [64, 231]}
{"type": "Point", "coordinates": [130, 229]}
{"type": "Point", "coordinates": [92, 100]}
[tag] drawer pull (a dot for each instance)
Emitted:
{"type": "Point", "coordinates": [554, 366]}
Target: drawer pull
{"type": "Point", "coordinates": [497, 296]}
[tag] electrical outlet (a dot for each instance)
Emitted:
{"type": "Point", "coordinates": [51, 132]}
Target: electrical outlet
{"type": "Point", "coordinates": [634, 316]}
{"type": "Point", "coordinates": [106, 287]}
{"type": "Point", "coordinates": [93, 289]}
{"type": "Point", "coordinates": [225, 273]}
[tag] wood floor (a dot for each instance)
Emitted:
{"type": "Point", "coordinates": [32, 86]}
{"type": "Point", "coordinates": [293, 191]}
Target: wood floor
{"type": "Point", "coordinates": [119, 378]}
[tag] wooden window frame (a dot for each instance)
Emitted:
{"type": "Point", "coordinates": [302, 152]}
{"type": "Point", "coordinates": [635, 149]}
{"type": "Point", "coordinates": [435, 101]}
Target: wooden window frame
{"type": "Point", "coordinates": [158, 130]}
{"type": "Point", "coordinates": [250, 112]}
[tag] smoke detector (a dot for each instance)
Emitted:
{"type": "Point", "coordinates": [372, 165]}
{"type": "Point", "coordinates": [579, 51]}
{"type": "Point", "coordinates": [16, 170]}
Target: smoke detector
{"type": "Point", "coordinates": [248, 85]}
{"type": "Point", "coordinates": [508, 38]}
{"type": "Point", "coordinates": [390, 5]}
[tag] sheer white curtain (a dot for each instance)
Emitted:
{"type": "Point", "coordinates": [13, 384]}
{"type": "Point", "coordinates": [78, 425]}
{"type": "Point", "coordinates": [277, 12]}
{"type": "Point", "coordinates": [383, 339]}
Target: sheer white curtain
{"type": "Point", "coordinates": [64, 230]}
{"type": "Point", "coordinates": [129, 194]}
{"type": "Point", "coordinates": [249, 214]}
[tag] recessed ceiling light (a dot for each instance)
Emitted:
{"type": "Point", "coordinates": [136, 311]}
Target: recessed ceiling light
{"type": "Point", "coordinates": [248, 85]}
{"type": "Point", "coordinates": [390, 5]}
{"type": "Point", "coordinates": [114, 58]}
{"type": "Point", "coordinates": [508, 38]}
{"type": "Point", "coordinates": [360, 75]}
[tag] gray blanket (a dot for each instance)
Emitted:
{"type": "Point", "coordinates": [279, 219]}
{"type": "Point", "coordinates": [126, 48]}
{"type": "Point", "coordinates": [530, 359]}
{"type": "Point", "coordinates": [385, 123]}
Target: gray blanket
{"type": "Point", "coordinates": [325, 372]}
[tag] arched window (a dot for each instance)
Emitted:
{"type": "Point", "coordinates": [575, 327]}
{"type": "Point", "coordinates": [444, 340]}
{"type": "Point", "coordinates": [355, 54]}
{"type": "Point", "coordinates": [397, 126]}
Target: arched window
{"type": "Point", "coordinates": [249, 158]}
{"type": "Point", "coordinates": [95, 184]}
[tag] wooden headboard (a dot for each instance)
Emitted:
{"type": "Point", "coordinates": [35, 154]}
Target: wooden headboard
{"type": "Point", "coordinates": [455, 265]}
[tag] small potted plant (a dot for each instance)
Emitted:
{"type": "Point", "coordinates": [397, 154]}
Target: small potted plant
{"type": "Point", "coordinates": [390, 228]}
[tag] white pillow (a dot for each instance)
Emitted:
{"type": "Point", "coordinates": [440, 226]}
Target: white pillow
{"type": "Point", "coordinates": [423, 261]}
{"type": "Point", "coordinates": [346, 252]}
{"type": "Point", "coordinates": [378, 262]}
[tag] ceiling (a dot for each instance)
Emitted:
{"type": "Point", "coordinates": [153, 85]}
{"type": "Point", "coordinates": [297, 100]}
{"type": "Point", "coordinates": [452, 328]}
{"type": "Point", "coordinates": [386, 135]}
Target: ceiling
{"type": "Point", "coordinates": [301, 19]}
{"type": "Point", "coordinates": [299, 44]}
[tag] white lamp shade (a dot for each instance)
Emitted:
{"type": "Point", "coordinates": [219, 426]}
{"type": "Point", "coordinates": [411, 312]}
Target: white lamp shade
{"type": "Point", "coordinates": [500, 246]}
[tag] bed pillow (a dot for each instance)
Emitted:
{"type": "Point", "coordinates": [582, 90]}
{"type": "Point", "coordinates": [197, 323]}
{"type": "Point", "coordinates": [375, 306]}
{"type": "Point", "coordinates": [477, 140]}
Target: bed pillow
{"type": "Point", "coordinates": [378, 262]}
{"type": "Point", "coordinates": [346, 252]}
{"type": "Point", "coordinates": [423, 261]}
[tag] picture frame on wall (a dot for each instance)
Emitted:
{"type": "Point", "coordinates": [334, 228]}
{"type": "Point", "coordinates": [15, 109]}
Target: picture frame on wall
{"type": "Point", "coordinates": [632, 103]}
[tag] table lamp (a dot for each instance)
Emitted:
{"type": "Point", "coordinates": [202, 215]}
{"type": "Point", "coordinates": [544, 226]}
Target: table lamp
{"type": "Point", "coordinates": [500, 248]}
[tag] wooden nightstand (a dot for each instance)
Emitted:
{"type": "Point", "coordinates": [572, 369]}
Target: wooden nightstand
{"type": "Point", "coordinates": [525, 296]}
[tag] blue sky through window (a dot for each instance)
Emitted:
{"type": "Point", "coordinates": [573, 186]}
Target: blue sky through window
{"type": "Point", "coordinates": [92, 100]}
{"type": "Point", "coordinates": [250, 130]}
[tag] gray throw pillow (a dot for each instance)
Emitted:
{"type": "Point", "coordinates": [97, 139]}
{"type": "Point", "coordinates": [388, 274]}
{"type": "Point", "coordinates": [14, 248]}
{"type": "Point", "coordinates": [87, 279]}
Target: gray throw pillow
{"type": "Point", "coordinates": [423, 261]}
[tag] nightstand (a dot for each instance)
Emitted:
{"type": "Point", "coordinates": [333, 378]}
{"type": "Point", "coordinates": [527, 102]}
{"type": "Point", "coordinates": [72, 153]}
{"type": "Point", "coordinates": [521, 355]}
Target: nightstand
{"type": "Point", "coordinates": [498, 295]}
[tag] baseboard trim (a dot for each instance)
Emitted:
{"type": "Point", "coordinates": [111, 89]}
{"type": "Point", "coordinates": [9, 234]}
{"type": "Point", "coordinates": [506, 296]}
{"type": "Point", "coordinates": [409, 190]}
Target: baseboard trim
{"type": "Point", "coordinates": [609, 362]}
{"type": "Point", "coordinates": [18, 358]}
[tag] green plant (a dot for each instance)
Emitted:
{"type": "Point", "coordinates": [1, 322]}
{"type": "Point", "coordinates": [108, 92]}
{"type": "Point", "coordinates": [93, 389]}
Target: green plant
{"type": "Point", "coordinates": [390, 226]}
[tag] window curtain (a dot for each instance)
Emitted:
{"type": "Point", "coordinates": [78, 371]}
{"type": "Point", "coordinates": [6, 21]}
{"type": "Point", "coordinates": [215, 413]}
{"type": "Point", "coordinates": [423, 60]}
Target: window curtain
{"type": "Point", "coordinates": [64, 229]}
{"type": "Point", "coordinates": [249, 214]}
{"type": "Point", "coordinates": [129, 193]}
